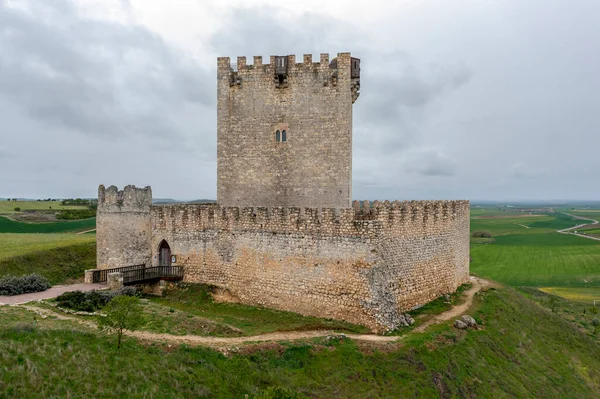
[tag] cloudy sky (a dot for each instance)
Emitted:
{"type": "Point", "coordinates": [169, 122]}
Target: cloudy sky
{"type": "Point", "coordinates": [459, 99]}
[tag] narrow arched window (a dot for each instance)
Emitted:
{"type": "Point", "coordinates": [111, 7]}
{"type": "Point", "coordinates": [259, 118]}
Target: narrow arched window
{"type": "Point", "coordinates": [278, 136]}
{"type": "Point", "coordinates": [283, 135]}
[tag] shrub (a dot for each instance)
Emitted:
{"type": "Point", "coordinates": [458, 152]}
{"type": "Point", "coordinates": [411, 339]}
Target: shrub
{"type": "Point", "coordinates": [11, 285]}
{"type": "Point", "coordinates": [484, 234]}
{"type": "Point", "coordinates": [17, 209]}
{"type": "Point", "coordinates": [92, 300]}
{"type": "Point", "coordinates": [278, 392]}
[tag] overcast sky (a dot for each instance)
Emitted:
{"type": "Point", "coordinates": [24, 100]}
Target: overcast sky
{"type": "Point", "coordinates": [459, 99]}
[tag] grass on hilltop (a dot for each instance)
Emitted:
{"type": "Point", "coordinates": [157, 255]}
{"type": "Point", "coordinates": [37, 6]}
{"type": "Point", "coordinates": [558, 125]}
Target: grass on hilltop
{"type": "Point", "coordinates": [8, 207]}
{"type": "Point", "coordinates": [58, 257]}
{"type": "Point", "coordinates": [520, 350]}
{"type": "Point", "coordinates": [12, 245]}
{"type": "Point", "coordinates": [12, 226]}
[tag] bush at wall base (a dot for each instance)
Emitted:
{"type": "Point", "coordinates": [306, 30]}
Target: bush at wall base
{"type": "Point", "coordinates": [91, 301]}
{"type": "Point", "coordinates": [11, 285]}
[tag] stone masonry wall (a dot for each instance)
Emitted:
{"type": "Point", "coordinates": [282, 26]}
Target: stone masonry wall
{"type": "Point", "coordinates": [364, 265]}
{"type": "Point", "coordinates": [123, 227]}
{"type": "Point", "coordinates": [314, 105]}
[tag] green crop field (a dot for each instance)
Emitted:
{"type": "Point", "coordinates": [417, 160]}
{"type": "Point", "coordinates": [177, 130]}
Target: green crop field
{"type": "Point", "coordinates": [590, 231]}
{"type": "Point", "coordinates": [8, 207]}
{"type": "Point", "coordinates": [22, 244]}
{"type": "Point", "coordinates": [12, 226]}
{"type": "Point", "coordinates": [523, 225]}
{"type": "Point", "coordinates": [578, 294]}
{"type": "Point", "coordinates": [527, 251]}
{"type": "Point", "coordinates": [588, 213]}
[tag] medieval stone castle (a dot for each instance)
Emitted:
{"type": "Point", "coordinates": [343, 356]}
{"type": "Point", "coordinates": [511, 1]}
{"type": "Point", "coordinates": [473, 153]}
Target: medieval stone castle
{"type": "Point", "coordinates": [284, 232]}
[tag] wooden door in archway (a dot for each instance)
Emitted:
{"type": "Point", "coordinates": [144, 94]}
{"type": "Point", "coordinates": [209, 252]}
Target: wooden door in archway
{"type": "Point", "coordinates": [164, 254]}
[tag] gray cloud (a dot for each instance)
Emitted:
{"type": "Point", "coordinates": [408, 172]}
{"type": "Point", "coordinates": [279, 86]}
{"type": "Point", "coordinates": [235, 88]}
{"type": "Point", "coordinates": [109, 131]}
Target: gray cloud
{"type": "Point", "coordinates": [430, 163]}
{"type": "Point", "coordinates": [452, 104]}
{"type": "Point", "coordinates": [96, 77]}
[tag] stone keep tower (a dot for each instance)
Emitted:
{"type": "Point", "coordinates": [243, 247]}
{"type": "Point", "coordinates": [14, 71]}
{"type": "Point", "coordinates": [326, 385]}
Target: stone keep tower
{"type": "Point", "coordinates": [284, 134]}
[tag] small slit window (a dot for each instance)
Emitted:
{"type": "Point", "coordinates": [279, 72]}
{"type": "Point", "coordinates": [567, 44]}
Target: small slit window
{"type": "Point", "coordinates": [278, 136]}
{"type": "Point", "coordinates": [283, 135]}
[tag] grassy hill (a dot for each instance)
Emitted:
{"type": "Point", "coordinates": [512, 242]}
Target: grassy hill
{"type": "Point", "coordinates": [12, 245]}
{"type": "Point", "coordinates": [521, 350]}
{"type": "Point", "coordinates": [59, 264]}
{"type": "Point", "coordinates": [59, 257]}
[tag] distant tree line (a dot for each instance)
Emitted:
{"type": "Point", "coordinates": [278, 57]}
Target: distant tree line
{"type": "Point", "coordinates": [76, 214]}
{"type": "Point", "coordinates": [78, 201]}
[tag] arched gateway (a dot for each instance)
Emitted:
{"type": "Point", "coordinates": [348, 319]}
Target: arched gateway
{"type": "Point", "coordinates": [164, 254]}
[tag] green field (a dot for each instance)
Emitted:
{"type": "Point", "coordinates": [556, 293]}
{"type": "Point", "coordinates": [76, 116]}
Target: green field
{"type": "Point", "coordinates": [12, 226]}
{"type": "Point", "coordinates": [527, 251]}
{"type": "Point", "coordinates": [12, 245]}
{"type": "Point", "coordinates": [584, 294]}
{"type": "Point", "coordinates": [588, 213]}
{"type": "Point", "coordinates": [590, 231]}
{"type": "Point", "coordinates": [8, 207]}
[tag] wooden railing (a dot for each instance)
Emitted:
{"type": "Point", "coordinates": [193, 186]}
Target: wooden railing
{"type": "Point", "coordinates": [134, 276]}
{"type": "Point", "coordinates": [99, 276]}
{"type": "Point", "coordinates": [140, 273]}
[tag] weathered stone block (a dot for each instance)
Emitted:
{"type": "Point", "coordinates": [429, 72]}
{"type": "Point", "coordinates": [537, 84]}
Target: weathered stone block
{"type": "Point", "coordinates": [114, 280]}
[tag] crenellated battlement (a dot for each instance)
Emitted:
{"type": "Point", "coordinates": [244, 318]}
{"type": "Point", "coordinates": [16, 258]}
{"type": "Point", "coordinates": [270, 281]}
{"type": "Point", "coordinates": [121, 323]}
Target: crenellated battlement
{"type": "Point", "coordinates": [308, 100]}
{"type": "Point", "coordinates": [242, 65]}
{"type": "Point", "coordinates": [130, 199]}
{"type": "Point", "coordinates": [368, 220]}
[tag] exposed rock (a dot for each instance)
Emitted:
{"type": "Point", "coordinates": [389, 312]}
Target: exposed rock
{"type": "Point", "coordinates": [460, 325]}
{"type": "Point", "coordinates": [468, 320]}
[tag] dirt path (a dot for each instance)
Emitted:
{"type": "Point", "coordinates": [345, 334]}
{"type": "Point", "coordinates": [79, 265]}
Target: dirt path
{"type": "Point", "coordinates": [456, 310]}
{"type": "Point", "coordinates": [568, 231]}
{"type": "Point", "coordinates": [52, 292]}
{"type": "Point", "coordinates": [275, 336]}
{"type": "Point", "coordinates": [86, 231]}
{"type": "Point", "coordinates": [233, 341]}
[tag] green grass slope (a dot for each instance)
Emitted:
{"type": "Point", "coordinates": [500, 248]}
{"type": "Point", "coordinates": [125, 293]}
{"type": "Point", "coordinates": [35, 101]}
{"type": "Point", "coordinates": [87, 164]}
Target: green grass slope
{"type": "Point", "coordinates": [58, 265]}
{"type": "Point", "coordinates": [196, 300]}
{"type": "Point", "coordinates": [521, 350]}
{"type": "Point", "coordinates": [13, 226]}
{"type": "Point", "coordinates": [17, 244]}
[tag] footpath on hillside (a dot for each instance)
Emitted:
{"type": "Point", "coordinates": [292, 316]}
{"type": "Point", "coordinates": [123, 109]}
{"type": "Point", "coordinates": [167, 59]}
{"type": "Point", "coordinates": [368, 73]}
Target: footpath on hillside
{"type": "Point", "coordinates": [198, 340]}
